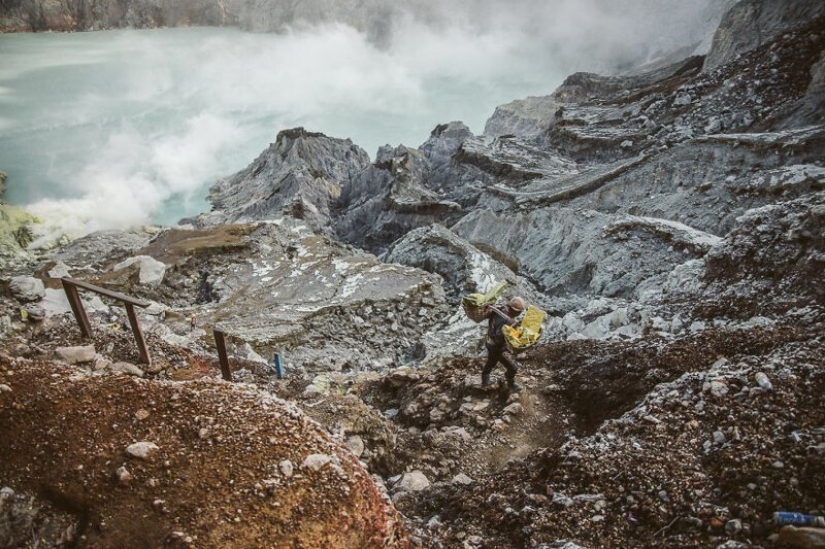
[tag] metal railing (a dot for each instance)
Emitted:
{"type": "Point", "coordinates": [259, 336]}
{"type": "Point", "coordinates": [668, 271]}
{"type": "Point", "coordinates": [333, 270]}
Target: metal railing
{"type": "Point", "coordinates": [70, 286]}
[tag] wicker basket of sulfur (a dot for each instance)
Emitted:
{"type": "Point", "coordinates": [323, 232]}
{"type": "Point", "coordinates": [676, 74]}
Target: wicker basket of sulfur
{"type": "Point", "coordinates": [477, 306]}
{"type": "Point", "coordinates": [527, 333]}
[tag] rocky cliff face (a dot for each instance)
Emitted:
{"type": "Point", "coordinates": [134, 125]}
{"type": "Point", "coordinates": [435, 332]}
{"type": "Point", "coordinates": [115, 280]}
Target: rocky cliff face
{"type": "Point", "coordinates": [753, 23]}
{"type": "Point", "coordinates": [62, 15]}
{"type": "Point", "coordinates": [670, 220]}
{"type": "Point", "coordinates": [298, 177]}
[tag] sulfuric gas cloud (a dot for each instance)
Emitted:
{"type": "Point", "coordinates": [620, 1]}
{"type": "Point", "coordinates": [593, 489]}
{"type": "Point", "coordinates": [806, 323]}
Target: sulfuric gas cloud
{"type": "Point", "coordinates": [142, 122]}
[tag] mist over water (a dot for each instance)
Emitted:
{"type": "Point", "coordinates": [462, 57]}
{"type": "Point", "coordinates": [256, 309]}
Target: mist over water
{"type": "Point", "coordinates": [121, 128]}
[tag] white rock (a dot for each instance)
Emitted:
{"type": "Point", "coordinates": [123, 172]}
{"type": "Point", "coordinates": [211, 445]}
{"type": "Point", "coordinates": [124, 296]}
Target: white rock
{"type": "Point", "coordinates": [59, 270]}
{"type": "Point", "coordinates": [463, 479]}
{"type": "Point", "coordinates": [682, 100]}
{"type": "Point", "coordinates": [316, 461]}
{"type": "Point", "coordinates": [356, 444]}
{"type": "Point", "coordinates": [697, 326]}
{"type": "Point", "coordinates": [142, 450]}
{"type": "Point", "coordinates": [126, 368]}
{"type": "Point", "coordinates": [4, 388]}
{"type": "Point", "coordinates": [76, 355]}
{"type": "Point", "coordinates": [151, 270]}
{"type": "Point", "coordinates": [123, 475]}
{"type": "Point", "coordinates": [286, 468]}
{"type": "Point", "coordinates": [561, 499]}
{"type": "Point", "coordinates": [718, 389]}
{"type": "Point", "coordinates": [55, 303]}
{"type": "Point", "coordinates": [515, 409]}
{"type": "Point", "coordinates": [27, 288]}
{"type": "Point", "coordinates": [414, 481]}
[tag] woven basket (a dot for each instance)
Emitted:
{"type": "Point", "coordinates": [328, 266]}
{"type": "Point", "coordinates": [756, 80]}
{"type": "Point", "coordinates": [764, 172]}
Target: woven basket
{"type": "Point", "coordinates": [516, 350]}
{"type": "Point", "coordinates": [476, 314]}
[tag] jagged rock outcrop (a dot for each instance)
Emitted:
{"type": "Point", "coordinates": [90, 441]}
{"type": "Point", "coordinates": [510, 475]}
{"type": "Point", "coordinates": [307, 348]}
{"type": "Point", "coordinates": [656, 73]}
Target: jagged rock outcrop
{"type": "Point", "coordinates": [534, 115]}
{"type": "Point", "coordinates": [565, 250]}
{"type": "Point", "coordinates": [389, 199]}
{"type": "Point", "coordinates": [751, 24]}
{"type": "Point", "coordinates": [465, 268]}
{"type": "Point", "coordinates": [444, 142]}
{"type": "Point", "coordinates": [298, 176]}
{"type": "Point", "coordinates": [66, 15]}
{"type": "Point", "coordinates": [773, 259]}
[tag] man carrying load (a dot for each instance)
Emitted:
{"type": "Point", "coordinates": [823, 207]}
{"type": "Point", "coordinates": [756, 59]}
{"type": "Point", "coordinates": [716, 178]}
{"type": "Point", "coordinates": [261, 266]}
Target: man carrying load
{"type": "Point", "coordinates": [496, 345]}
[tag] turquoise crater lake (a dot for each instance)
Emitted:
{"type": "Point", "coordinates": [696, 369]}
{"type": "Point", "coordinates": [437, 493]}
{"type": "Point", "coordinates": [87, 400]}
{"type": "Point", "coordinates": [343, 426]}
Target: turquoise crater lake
{"type": "Point", "coordinates": [117, 128]}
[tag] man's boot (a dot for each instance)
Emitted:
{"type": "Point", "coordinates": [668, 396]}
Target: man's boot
{"type": "Point", "coordinates": [486, 380]}
{"type": "Point", "coordinates": [514, 386]}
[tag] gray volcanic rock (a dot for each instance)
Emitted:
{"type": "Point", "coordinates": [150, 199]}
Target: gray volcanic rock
{"type": "Point", "coordinates": [534, 115]}
{"type": "Point", "coordinates": [774, 258]}
{"type": "Point", "coordinates": [583, 251]}
{"type": "Point", "coordinates": [524, 117]}
{"type": "Point", "coordinates": [444, 141]}
{"type": "Point", "coordinates": [102, 246]}
{"type": "Point", "coordinates": [483, 169]}
{"type": "Point", "coordinates": [27, 289]}
{"type": "Point", "coordinates": [389, 199]}
{"type": "Point", "coordinates": [297, 176]}
{"type": "Point", "coordinates": [324, 304]}
{"type": "Point", "coordinates": [64, 15]}
{"type": "Point", "coordinates": [464, 267]}
{"type": "Point", "coordinates": [680, 184]}
{"type": "Point", "coordinates": [688, 170]}
{"type": "Point", "coordinates": [753, 23]}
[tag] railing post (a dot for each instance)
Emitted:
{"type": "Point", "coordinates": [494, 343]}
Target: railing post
{"type": "Point", "coordinates": [141, 343]}
{"type": "Point", "coordinates": [220, 343]}
{"type": "Point", "coordinates": [77, 308]}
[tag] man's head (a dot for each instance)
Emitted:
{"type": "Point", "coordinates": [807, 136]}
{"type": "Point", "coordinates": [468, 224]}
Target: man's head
{"type": "Point", "coordinates": [517, 304]}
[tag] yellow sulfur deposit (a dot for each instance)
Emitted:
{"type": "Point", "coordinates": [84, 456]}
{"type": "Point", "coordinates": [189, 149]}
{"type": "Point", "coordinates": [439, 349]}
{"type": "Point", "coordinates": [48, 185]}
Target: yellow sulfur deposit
{"type": "Point", "coordinates": [480, 300]}
{"type": "Point", "coordinates": [527, 332]}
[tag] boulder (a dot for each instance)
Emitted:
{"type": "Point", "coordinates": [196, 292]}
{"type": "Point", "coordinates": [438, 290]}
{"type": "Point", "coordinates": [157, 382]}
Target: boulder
{"type": "Point", "coordinates": [142, 450]}
{"type": "Point", "coordinates": [27, 288]}
{"type": "Point", "coordinates": [414, 481]}
{"type": "Point", "coordinates": [150, 270]}
{"type": "Point", "coordinates": [126, 368]}
{"type": "Point", "coordinates": [76, 355]}
{"type": "Point", "coordinates": [316, 461]}
{"type": "Point", "coordinates": [253, 431]}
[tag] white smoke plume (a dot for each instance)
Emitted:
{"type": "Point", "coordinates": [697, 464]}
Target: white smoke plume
{"type": "Point", "coordinates": [144, 121]}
